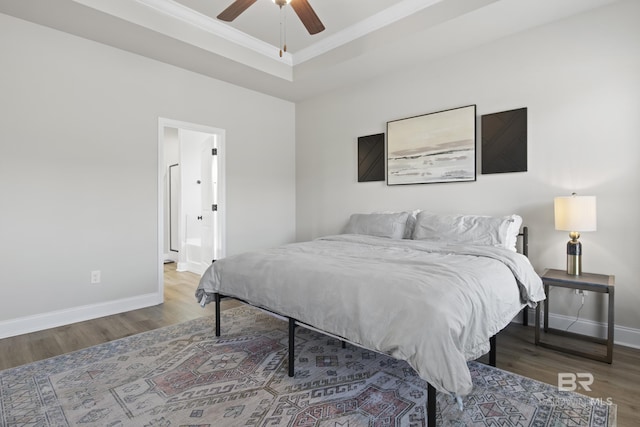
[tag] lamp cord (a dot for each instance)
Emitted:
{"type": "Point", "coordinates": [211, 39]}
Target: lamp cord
{"type": "Point", "coordinates": [577, 315]}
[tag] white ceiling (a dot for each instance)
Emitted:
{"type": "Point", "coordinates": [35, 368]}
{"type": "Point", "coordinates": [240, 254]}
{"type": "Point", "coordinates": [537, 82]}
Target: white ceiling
{"type": "Point", "coordinates": [262, 19]}
{"type": "Point", "coordinates": [363, 38]}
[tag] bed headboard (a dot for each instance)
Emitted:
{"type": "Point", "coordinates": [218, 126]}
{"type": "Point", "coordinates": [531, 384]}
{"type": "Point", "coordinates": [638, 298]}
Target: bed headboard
{"type": "Point", "coordinates": [524, 234]}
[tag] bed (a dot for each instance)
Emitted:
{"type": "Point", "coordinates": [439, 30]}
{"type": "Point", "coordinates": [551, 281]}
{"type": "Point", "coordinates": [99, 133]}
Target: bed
{"type": "Point", "coordinates": [427, 288]}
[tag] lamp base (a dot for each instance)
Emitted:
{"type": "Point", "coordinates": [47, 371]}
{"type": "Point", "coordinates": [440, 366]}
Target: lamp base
{"type": "Point", "coordinates": [574, 265]}
{"type": "Point", "coordinates": [574, 257]}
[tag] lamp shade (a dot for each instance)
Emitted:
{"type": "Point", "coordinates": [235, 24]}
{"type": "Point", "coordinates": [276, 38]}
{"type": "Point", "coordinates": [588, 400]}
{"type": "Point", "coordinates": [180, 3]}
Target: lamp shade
{"type": "Point", "coordinates": [575, 213]}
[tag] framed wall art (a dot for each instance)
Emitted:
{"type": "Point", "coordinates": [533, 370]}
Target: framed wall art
{"type": "Point", "coordinates": [432, 148]}
{"type": "Point", "coordinates": [504, 141]}
{"type": "Point", "coordinates": [371, 158]}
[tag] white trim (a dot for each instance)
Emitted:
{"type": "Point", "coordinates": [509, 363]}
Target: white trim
{"type": "Point", "coordinates": [622, 335]}
{"type": "Point", "coordinates": [170, 256]}
{"type": "Point", "coordinates": [178, 11]}
{"type": "Point", "coordinates": [196, 267]}
{"type": "Point", "coordinates": [360, 29]}
{"type": "Point", "coordinates": [222, 200]}
{"type": "Point", "coordinates": [628, 337]}
{"type": "Point", "coordinates": [160, 213]}
{"type": "Point", "coordinates": [213, 26]}
{"type": "Point", "coordinates": [39, 322]}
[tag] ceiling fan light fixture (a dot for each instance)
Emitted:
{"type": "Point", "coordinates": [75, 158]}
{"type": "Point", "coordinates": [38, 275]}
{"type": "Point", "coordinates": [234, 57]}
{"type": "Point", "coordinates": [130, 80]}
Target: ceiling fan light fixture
{"type": "Point", "coordinates": [281, 2]}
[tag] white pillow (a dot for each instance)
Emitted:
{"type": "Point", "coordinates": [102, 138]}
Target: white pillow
{"type": "Point", "coordinates": [411, 222]}
{"type": "Point", "coordinates": [389, 225]}
{"type": "Point", "coordinates": [513, 231]}
{"type": "Point", "coordinates": [470, 229]}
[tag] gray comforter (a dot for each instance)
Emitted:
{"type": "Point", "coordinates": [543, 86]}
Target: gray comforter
{"type": "Point", "coordinates": [431, 304]}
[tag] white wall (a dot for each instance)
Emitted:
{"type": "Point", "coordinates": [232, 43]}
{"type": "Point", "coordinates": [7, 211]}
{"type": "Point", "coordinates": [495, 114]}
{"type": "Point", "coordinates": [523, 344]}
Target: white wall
{"type": "Point", "coordinates": [78, 172]}
{"type": "Point", "coordinates": [579, 79]}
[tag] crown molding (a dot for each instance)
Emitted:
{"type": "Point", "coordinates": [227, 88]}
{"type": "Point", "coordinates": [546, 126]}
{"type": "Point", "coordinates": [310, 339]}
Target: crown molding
{"type": "Point", "coordinates": [360, 29]}
{"type": "Point", "coordinates": [213, 26]}
{"type": "Point", "coordinates": [178, 11]}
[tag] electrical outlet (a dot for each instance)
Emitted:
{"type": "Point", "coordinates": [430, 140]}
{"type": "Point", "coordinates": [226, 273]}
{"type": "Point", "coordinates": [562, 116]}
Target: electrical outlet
{"type": "Point", "coordinates": [95, 276]}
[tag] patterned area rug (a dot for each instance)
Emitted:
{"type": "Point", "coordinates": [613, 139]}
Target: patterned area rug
{"type": "Point", "coordinates": [183, 375]}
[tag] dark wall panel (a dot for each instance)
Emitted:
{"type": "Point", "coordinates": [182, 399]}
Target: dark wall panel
{"type": "Point", "coordinates": [504, 142]}
{"type": "Point", "coordinates": [371, 158]}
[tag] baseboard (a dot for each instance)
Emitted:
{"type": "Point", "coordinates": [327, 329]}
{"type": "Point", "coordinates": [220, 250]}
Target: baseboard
{"type": "Point", "coordinates": [39, 322]}
{"type": "Point", "coordinates": [171, 256]}
{"type": "Point", "coordinates": [194, 267]}
{"type": "Point", "coordinates": [622, 335]}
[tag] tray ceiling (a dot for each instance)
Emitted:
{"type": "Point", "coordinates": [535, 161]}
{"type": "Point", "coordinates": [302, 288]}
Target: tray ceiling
{"type": "Point", "coordinates": [363, 38]}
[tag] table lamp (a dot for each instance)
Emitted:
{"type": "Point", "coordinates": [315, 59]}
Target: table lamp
{"type": "Point", "coordinates": [575, 214]}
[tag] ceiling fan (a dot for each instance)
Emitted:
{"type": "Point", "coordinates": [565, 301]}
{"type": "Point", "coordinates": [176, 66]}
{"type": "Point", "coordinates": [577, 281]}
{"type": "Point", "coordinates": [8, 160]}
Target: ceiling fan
{"type": "Point", "coordinates": [302, 8]}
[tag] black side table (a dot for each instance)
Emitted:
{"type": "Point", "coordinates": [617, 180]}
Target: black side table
{"type": "Point", "coordinates": [587, 282]}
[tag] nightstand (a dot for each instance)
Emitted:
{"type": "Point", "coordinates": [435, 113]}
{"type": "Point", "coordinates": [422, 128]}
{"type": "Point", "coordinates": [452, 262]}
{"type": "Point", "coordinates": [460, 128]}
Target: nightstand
{"type": "Point", "coordinates": [601, 283]}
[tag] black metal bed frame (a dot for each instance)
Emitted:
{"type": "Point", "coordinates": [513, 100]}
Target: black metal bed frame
{"type": "Point", "coordinates": [431, 391]}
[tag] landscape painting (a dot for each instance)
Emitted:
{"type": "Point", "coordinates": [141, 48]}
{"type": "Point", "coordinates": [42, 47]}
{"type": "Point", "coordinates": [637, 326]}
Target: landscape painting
{"type": "Point", "coordinates": [435, 147]}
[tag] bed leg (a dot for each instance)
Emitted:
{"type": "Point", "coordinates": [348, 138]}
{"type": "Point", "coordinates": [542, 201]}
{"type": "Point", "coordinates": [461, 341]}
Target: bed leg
{"type": "Point", "coordinates": [292, 338]}
{"type": "Point", "coordinates": [344, 344]}
{"type": "Point", "coordinates": [431, 405]}
{"type": "Point", "coordinates": [492, 351]}
{"type": "Point", "coordinates": [216, 298]}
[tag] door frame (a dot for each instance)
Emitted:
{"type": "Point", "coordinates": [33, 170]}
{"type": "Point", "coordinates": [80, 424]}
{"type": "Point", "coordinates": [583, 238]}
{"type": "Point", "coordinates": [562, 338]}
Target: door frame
{"type": "Point", "coordinates": [221, 212]}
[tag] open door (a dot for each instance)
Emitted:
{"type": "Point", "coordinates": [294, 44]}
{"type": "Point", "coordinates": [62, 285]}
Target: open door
{"type": "Point", "coordinates": [209, 204]}
{"type": "Point", "coordinates": [196, 235]}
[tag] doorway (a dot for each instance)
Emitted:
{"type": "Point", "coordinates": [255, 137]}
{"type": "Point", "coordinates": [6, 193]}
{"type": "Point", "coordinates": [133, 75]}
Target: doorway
{"type": "Point", "coordinates": [191, 196]}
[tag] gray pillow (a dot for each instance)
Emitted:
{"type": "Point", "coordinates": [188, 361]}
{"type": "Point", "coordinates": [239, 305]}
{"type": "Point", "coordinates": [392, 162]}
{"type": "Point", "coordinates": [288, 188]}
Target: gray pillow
{"type": "Point", "coordinates": [389, 225]}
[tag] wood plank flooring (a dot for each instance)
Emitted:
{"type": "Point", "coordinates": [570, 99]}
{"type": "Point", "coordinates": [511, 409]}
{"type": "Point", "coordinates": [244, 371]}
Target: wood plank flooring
{"type": "Point", "coordinates": [180, 305]}
{"type": "Point", "coordinates": [619, 381]}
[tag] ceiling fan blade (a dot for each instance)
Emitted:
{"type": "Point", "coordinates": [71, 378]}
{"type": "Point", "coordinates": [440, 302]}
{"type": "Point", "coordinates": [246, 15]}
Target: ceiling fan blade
{"type": "Point", "coordinates": [307, 15]}
{"type": "Point", "coordinates": [236, 8]}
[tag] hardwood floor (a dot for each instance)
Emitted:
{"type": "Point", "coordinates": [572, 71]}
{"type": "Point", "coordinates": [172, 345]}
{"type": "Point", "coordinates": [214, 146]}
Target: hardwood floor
{"type": "Point", "coordinates": [619, 382]}
{"type": "Point", "coordinates": [180, 305]}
